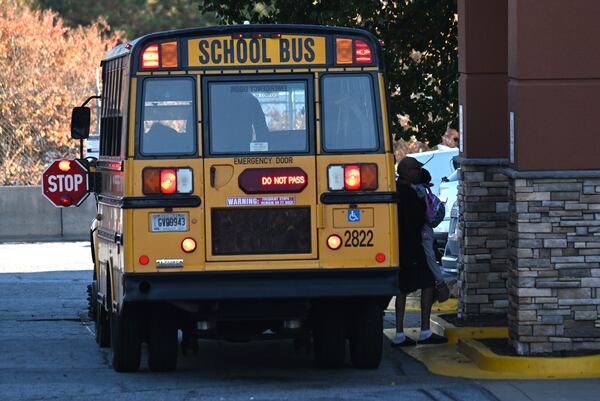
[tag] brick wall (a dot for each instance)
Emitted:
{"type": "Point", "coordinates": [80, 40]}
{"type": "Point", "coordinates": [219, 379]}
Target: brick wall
{"type": "Point", "coordinates": [483, 236]}
{"type": "Point", "coordinates": [554, 264]}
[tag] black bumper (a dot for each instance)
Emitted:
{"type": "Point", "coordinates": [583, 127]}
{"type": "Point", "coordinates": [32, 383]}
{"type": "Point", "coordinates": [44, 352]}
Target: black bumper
{"type": "Point", "coordinates": [308, 284]}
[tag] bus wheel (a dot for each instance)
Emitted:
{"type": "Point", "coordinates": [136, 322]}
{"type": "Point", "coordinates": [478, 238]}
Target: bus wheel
{"type": "Point", "coordinates": [162, 343]}
{"type": "Point", "coordinates": [329, 342]}
{"type": "Point", "coordinates": [125, 341]}
{"type": "Point", "coordinates": [366, 340]}
{"type": "Point", "coordinates": [101, 318]}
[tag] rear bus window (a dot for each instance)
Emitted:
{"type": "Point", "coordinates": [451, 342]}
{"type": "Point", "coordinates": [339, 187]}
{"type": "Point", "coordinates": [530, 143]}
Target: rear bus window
{"type": "Point", "coordinates": [258, 117]}
{"type": "Point", "coordinates": [168, 126]}
{"type": "Point", "coordinates": [348, 117]}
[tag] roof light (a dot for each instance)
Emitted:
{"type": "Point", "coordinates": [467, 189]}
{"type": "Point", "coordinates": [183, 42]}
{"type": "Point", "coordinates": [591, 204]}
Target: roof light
{"type": "Point", "coordinates": [168, 181]}
{"type": "Point", "coordinates": [150, 57]}
{"type": "Point", "coordinates": [168, 54]}
{"type": "Point", "coordinates": [352, 177]}
{"type": "Point", "coordinates": [343, 51]}
{"type": "Point", "coordinates": [275, 35]}
{"type": "Point", "coordinates": [237, 36]}
{"type": "Point", "coordinates": [362, 52]}
{"type": "Point", "coordinates": [257, 36]}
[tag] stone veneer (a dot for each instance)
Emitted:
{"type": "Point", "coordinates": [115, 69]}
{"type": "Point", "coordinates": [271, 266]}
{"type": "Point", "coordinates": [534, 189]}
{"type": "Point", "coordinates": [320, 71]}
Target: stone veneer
{"type": "Point", "coordinates": [554, 267]}
{"type": "Point", "coordinates": [483, 237]}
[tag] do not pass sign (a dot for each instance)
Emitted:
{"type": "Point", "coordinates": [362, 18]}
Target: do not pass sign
{"type": "Point", "coordinates": [65, 183]}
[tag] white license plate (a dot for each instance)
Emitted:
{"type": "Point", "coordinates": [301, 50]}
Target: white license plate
{"type": "Point", "coordinates": [167, 222]}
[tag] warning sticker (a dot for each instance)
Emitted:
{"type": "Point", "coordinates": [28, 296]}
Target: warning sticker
{"type": "Point", "coordinates": [261, 201]}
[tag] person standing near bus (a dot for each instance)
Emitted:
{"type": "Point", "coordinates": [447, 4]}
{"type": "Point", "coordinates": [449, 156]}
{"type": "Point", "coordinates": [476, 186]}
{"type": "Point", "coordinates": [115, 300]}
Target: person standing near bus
{"type": "Point", "coordinates": [414, 271]}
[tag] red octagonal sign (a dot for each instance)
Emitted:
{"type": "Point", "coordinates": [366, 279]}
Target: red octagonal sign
{"type": "Point", "coordinates": [65, 183]}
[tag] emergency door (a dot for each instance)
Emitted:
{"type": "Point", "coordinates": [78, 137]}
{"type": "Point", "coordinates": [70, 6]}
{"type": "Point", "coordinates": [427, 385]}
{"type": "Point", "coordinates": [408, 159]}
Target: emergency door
{"type": "Point", "coordinates": [259, 166]}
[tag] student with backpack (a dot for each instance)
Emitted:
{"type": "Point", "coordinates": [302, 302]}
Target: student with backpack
{"type": "Point", "coordinates": [435, 211]}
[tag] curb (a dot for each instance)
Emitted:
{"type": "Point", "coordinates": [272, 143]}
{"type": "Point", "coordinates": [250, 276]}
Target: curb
{"type": "Point", "coordinates": [454, 334]}
{"type": "Point", "coordinates": [464, 356]}
{"type": "Point", "coordinates": [530, 367]}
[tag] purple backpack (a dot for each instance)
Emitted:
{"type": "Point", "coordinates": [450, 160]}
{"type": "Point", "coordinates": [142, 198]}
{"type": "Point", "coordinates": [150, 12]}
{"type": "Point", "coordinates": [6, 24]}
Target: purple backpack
{"type": "Point", "coordinates": [435, 208]}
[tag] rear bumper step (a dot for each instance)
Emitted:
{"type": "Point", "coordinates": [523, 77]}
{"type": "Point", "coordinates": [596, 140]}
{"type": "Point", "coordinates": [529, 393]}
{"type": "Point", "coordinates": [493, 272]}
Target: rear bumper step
{"type": "Point", "coordinates": [338, 283]}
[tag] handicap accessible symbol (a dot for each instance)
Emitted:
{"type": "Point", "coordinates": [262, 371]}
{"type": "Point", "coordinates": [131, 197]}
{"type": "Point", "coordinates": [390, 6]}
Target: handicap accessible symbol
{"type": "Point", "coordinates": [353, 215]}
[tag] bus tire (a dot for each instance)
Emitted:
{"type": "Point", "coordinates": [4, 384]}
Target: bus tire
{"type": "Point", "coordinates": [125, 341]}
{"type": "Point", "coordinates": [329, 342]}
{"type": "Point", "coordinates": [162, 344]}
{"type": "Point", "coordinates": [366, 340]}
{"type": "Point", "coordinates": [101, 319]}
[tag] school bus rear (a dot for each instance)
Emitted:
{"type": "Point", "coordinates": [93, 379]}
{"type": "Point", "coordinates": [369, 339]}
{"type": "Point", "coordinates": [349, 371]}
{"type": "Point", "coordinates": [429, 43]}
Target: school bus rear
{"type": "Point", "coordinates": [251, 193]}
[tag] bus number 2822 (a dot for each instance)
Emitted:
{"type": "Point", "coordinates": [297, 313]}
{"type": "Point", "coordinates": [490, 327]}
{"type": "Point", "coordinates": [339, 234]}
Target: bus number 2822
{"type": "Point", "coordinates": [358, 238]}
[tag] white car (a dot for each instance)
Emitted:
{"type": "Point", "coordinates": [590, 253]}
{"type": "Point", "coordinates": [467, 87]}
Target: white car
{"type": "Point", "coordinates": [444, 178]}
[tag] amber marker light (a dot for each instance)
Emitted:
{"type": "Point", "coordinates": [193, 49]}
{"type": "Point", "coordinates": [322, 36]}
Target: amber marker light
{"type": "Point", "coordinates": [334, 242]}
{"type": "Point", "coordinates": [144, 260]}
{"type": "Point", "coordinates": [343, 51]}
{"type": "Point", "coordinates": [380, 257]}
{"type": "Point", "coordinates": [168, 53]}
{"type": "Point", "coordinates": [64, 165]}
{"type": "Point", "coordinates": [188, 245]}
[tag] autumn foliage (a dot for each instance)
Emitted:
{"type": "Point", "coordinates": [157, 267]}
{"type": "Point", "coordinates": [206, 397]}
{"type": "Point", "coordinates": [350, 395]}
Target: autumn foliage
{"type": "Point", "coordinates": [46, 69]}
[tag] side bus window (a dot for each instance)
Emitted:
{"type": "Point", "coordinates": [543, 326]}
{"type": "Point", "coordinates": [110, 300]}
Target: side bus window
{"type": "Point", "coordinates": [112, 110]}
{"type": "Point", "coordinates": [168, 124]}
{"type": "Point", "coordinates": [349, 119]}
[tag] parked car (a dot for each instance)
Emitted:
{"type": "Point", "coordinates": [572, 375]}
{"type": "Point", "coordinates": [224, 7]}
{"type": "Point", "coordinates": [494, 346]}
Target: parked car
{"type": "Point", "coordinates": [448, 194]}
{"type": "Point", "coordinates": [451, 252]}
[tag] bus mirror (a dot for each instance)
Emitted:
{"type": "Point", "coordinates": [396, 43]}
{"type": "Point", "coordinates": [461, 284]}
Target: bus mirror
{"type": "Point", "coordinates": [80, 123]}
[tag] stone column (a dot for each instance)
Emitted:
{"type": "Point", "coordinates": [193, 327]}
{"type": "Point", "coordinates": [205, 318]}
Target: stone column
{"type": "Point", "coordinates": [483, 230]}
{"type": "Point", "coordinates": [554, 273]}
{"type": "Point", "coordinates": [483, 189]}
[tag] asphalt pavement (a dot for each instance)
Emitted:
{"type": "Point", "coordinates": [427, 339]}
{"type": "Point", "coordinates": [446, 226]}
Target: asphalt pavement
{"type": "Point", "coordinates": [49, 353]}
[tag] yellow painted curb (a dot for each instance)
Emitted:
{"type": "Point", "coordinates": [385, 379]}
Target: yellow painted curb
{"type": "Point", "coordinates": [465, 357]}
{"type": "Point", "coordinates": [530, 367]}
{"type": "Point", "coordinates": [453, 333]}
{"type": "Point", "coordinates": [450, 306]}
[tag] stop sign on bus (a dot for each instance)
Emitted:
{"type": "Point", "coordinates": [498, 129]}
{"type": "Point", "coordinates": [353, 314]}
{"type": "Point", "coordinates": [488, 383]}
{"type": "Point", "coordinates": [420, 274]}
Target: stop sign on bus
{"type": "Point", "coordinates": [65, 183]}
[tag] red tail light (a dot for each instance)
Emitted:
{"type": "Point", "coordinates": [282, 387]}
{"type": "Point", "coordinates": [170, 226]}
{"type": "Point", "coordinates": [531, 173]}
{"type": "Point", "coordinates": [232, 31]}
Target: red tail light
{"type": "Point", "coordinates": [362, 52]}
{"type": "Point", "coordinates": [352, 177]}
{"type": "Point", "coordinates": [168, 181]}
{"type": "Point", "coordinates": [150, 57]}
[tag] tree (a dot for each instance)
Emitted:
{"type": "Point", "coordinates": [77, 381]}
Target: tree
{"type": "Point", "coordinates": [420, 50]}
{"type": "Point", "coordinates": [47, 69]}
{"type": "Point", "coordinates": [134, 17]}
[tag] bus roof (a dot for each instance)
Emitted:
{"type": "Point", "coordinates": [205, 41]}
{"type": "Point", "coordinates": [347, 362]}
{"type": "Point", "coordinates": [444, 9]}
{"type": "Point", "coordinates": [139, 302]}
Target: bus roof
{"type": "Point", "coordinates": [136, 46]}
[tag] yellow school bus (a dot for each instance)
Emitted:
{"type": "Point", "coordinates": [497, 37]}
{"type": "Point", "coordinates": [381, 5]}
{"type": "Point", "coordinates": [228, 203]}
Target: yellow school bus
{"type": "Point", "coordinates": [245, 189]}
